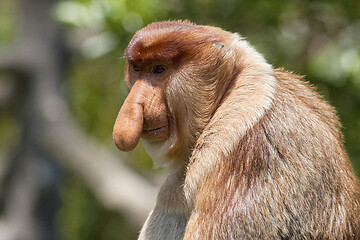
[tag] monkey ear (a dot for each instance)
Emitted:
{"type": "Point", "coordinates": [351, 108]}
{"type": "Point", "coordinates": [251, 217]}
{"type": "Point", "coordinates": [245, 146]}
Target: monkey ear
{"type": "Point", "coordinates": [218, 44]}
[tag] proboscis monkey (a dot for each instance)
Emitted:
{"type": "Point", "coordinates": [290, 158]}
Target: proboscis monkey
{"type": "Point", "coordinates": [253, 152]}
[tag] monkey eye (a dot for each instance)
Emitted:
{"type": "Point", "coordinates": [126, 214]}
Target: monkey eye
{"type": "Point", "coordinates": [135, 68]}
{"type": "Point", "coordinates": [158, 69]}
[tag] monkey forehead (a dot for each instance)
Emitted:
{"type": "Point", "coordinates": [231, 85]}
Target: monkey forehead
{"type": "Point", "coordinates": [171, 41]}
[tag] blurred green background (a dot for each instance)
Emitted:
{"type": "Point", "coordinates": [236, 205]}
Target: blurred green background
{"type": "Point", "coordinates": [318, 39]}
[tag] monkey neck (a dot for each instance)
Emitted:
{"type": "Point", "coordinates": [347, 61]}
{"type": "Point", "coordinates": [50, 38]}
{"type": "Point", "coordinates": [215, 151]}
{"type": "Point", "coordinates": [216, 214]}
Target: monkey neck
{"type": "Point", "coordinates": [171, 198]}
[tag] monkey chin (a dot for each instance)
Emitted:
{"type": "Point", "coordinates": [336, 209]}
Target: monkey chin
{"type": "Point", "coordinates": [158, 152]}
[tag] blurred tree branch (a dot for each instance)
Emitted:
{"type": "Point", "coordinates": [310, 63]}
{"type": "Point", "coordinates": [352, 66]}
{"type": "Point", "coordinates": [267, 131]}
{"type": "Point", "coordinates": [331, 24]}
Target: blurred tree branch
{"type": "Point", "coordinates": [38, 61]}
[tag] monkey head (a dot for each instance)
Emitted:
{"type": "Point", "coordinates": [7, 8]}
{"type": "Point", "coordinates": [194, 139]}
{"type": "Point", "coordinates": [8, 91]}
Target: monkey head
{"type": "Point", "coordinates": [177, 74]}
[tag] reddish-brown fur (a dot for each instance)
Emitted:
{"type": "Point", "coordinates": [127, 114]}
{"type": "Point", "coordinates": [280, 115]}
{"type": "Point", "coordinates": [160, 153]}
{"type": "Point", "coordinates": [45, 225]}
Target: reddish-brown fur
{"type": "Point", "coordinates": [254, 153]}
{"type": "Point", "coordinates": [160, 45]}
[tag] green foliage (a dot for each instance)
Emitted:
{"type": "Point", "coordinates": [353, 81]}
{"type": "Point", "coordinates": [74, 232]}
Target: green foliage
{"type": "Point", "coordinates": [82, 217]}
{"type": "Point", "coordinates": [9, 133]}
{"type": "Point", "coordinates": [96, 92]}
{"type": "Point", "coordinates": [7, 21]}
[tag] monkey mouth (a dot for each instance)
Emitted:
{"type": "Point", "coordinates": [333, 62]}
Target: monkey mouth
{"type": "Point", "coordinates": [156, 134]}
{"type": "Point", "coordinates": [154, 129]}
